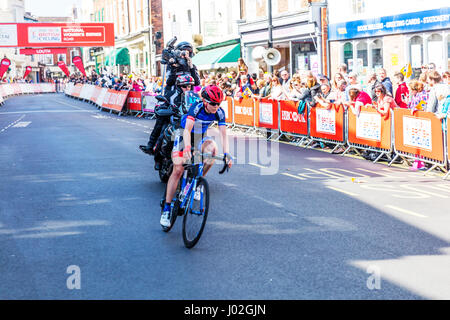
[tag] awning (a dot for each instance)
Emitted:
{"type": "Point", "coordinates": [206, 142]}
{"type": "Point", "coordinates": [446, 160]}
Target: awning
{"type": "Point", "coordinates": [221, 57]}
{"type": "Point", "coordinates": [118, 57]}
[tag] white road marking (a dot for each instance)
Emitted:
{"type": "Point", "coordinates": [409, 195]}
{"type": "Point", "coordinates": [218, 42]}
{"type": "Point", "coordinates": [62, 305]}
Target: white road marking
{"type": "Point", "coordinates": [22, 124]}
{"type": "Point", "coordinates": [406, 211]}
{"type": "Point", "coordinates": [343, 191]}
{"type": "Point", "coordinates": [258, 165]}
{"type": "Point", "coordinates": [12, 124]}
{"type": "Point", "coordinates": [292, 176]}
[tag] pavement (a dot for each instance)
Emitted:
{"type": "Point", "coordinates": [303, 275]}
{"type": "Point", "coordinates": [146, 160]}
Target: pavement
{"type": "Point", "coordinates": [79, 218]}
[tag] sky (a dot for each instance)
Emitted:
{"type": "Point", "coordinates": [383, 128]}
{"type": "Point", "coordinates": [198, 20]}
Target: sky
{"type": "Point", "coordinates": [50, 8]}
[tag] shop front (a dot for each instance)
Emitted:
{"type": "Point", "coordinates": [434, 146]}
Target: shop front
{"type": "Point", "coordinates": [295, 36]}
{"type": "Point", "coordinates": [391, 42]}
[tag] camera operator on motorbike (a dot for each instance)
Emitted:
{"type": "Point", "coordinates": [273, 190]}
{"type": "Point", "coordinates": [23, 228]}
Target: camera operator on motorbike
{"type": "Point", "coordinates": [176, 97]}
{"type": "Point", "coordinates": [179, 61]}
{"type": "Point", "coordinates": [192, 131]}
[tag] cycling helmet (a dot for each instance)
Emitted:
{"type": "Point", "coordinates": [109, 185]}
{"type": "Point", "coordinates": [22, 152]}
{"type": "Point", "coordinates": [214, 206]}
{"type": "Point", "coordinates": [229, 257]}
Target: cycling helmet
{"type": "Point", "coordinates": [184, 79]}
{"type": "Point", "coordinates": [184, 45]}
{"type": "Point", "coordinates": [212, 94]}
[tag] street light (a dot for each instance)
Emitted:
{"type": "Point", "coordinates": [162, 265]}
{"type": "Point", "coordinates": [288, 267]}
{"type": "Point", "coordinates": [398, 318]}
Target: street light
{"type": "Point", "coordinates": [270, 42]}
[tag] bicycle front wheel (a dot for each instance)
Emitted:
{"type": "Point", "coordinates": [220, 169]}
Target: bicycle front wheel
{"type": "Point", "coordinates": [196, 213]}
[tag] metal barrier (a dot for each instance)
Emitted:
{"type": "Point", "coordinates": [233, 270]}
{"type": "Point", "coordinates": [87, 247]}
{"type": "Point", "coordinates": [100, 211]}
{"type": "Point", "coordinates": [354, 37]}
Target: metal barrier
{"type": "Point", "coordinates": [419, 137]}
{"type": "Point", "coordinates": [327, 125]}
{"type": "Point", "coordinates": [368, 131]}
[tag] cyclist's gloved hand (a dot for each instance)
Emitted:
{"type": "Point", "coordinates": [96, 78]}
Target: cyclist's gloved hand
{"type": "Point", "coordinates": [228, 159]}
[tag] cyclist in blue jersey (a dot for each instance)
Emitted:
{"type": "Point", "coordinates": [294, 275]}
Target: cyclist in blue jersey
{"type": "Point", "coordinates": [194, 126]}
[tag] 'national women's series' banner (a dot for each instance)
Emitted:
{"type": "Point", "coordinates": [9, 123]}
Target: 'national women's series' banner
{"type": "Point", "coordinates": [35, 35]}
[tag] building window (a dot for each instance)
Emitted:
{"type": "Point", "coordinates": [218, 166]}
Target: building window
{"type": "Point", "coordinates": [416, 52]}
{"type": "Point", "coordinates": [377, 54]}
{"type": "Point", "coordinates": [358, 6]}
{"type": "Point", "coordinates": [361, 50]}
{"type": "Point", "coordinates": [348, 53]}
{"type": "Point", "coordinates": [448, 52]}
{"type": "Point", "coordinates": [189, 15]}
{"type": "Point", "coordinates": [435, 51]}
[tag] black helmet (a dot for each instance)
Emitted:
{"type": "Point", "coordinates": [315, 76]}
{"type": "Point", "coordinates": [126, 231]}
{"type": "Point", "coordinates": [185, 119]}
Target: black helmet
{"type": "Point", "coordinates": [184, 45]}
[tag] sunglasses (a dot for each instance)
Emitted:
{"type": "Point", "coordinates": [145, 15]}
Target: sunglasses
{"type": "Point", "coordinates": [186, 86]}
{"type": "Point", "coordinates": [214, 104]}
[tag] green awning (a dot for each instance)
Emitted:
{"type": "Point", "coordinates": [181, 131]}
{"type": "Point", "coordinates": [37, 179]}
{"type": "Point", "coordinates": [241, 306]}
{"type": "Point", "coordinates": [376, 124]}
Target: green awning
{"type": "Point", "coordinates": [226, 56]}
{"type": "Point", "coordinates": [118, 57]}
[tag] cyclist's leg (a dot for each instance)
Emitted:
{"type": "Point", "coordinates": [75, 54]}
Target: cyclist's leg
{"type": "Point", "coordinates": [208, 146]}
{"type": "Point", "coordinates": [178, 169]}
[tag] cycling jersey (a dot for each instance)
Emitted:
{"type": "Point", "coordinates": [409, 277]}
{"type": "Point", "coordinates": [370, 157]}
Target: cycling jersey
{"type": "Point", "coordinates": [202, 119]}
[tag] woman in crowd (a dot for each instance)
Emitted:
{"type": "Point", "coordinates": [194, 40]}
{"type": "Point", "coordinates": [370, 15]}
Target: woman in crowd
{"type": "Point", "coordinates": [336, 79]}
{"type": "Point", "coordinates": [384, 101]}
{"type": "Point", "coordinates": [277, 92]}
{"type": "Point", "coordinates": [357, 98]}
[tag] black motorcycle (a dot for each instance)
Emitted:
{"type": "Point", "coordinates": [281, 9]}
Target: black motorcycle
{"type": "Point", "coordinates": [164, 144]}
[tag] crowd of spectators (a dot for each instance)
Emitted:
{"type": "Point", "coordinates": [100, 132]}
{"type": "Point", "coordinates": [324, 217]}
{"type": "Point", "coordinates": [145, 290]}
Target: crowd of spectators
{"type": "Point", "coordinates": [429, 92]}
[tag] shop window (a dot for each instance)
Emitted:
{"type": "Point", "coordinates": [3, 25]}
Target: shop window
{"type": "Point", "coordinates": [358, 6]}
{"type": "Point", "coordinates": [448, 52]}
{"type": "Point", "coordinates": [361, 50]}
{"type": "Point", "coordinates": [416, 52]}
{"type": "Point", "coordinates": [377, 54]}
{"type": "Point", "coordinates": [435, 51]}
{"type": "Point", "coordinates": [348, 52]}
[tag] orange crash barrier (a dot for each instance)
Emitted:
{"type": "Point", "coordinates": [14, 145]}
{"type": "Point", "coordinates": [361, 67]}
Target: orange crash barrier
{"type": "Point", "coordinates": [369, 129]}
{"type": "Point", "coordinates": [327, 124]}
{"type": "Point", "coordinates": [419, 135]}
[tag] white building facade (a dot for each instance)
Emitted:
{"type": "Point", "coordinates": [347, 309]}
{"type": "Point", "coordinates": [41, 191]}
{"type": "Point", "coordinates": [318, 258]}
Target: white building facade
{"type": "Point", "coordinates": [370, 34]}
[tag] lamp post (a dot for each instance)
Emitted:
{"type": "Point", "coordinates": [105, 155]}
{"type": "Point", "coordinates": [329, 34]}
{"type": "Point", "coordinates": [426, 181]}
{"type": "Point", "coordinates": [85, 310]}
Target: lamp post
{"type": "Point", "coordinates": [270, 42]}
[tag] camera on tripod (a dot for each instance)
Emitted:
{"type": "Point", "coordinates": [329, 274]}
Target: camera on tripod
{"type": "Point", "coordinates": [174, 57]}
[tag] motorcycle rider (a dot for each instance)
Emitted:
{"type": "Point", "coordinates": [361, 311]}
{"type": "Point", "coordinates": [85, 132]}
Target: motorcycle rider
{"type": "Point", "coordinates": [177, 97]}
{"type": "Point", "coordinates": [177, 69]}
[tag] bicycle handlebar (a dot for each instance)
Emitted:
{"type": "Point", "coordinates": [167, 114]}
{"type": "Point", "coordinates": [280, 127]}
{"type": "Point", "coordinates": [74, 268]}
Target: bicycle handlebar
{"type": "Point", "coordinates": [210, 156]}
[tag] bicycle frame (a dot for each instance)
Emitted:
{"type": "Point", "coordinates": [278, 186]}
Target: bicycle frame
{"type": "Point", "coordinates": [192, 187]}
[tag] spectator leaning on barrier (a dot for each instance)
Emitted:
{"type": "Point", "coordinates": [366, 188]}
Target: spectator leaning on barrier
{"type": "Point", "coordinates": [322, 97]}
{"type": "Point", "coordinates": [312, 89]}
{"type": "Point", "coordinates": [358, 98]}
{"type": "Point", "coordinates": [337, 95]}
{"type": "Point", "coordinates": [384, 101]}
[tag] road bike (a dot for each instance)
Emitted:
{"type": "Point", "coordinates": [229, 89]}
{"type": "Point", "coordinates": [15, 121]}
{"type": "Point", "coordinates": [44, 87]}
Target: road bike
{"type": "Point", "coordinates": [191, 199]}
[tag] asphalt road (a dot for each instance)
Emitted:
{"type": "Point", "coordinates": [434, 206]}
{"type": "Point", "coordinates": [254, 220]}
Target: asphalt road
{"type": "Point", "coordinates": [79, 218]}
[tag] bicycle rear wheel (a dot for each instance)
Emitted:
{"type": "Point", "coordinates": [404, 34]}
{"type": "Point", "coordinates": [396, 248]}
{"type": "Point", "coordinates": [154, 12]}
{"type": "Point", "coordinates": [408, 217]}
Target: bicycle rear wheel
{"type": "Point", "coordinates": [196, 213]}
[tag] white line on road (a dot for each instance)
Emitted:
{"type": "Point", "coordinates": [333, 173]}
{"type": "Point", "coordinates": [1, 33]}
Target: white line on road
{"type": "Point", "coordinates": [22, 124]}
{"type": "Point", "coordinates": [292, 176]}
{"type": "Point", "coordinates": [257, 165]}
{"type": "Point", "coordinates": [406, 211]}
{"type": "Point", "coordinates": [45, 111]}
{"type": "Point", "coordinates": [343, 191]}
{"type": "Point", "coordinates": [12, 124]}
